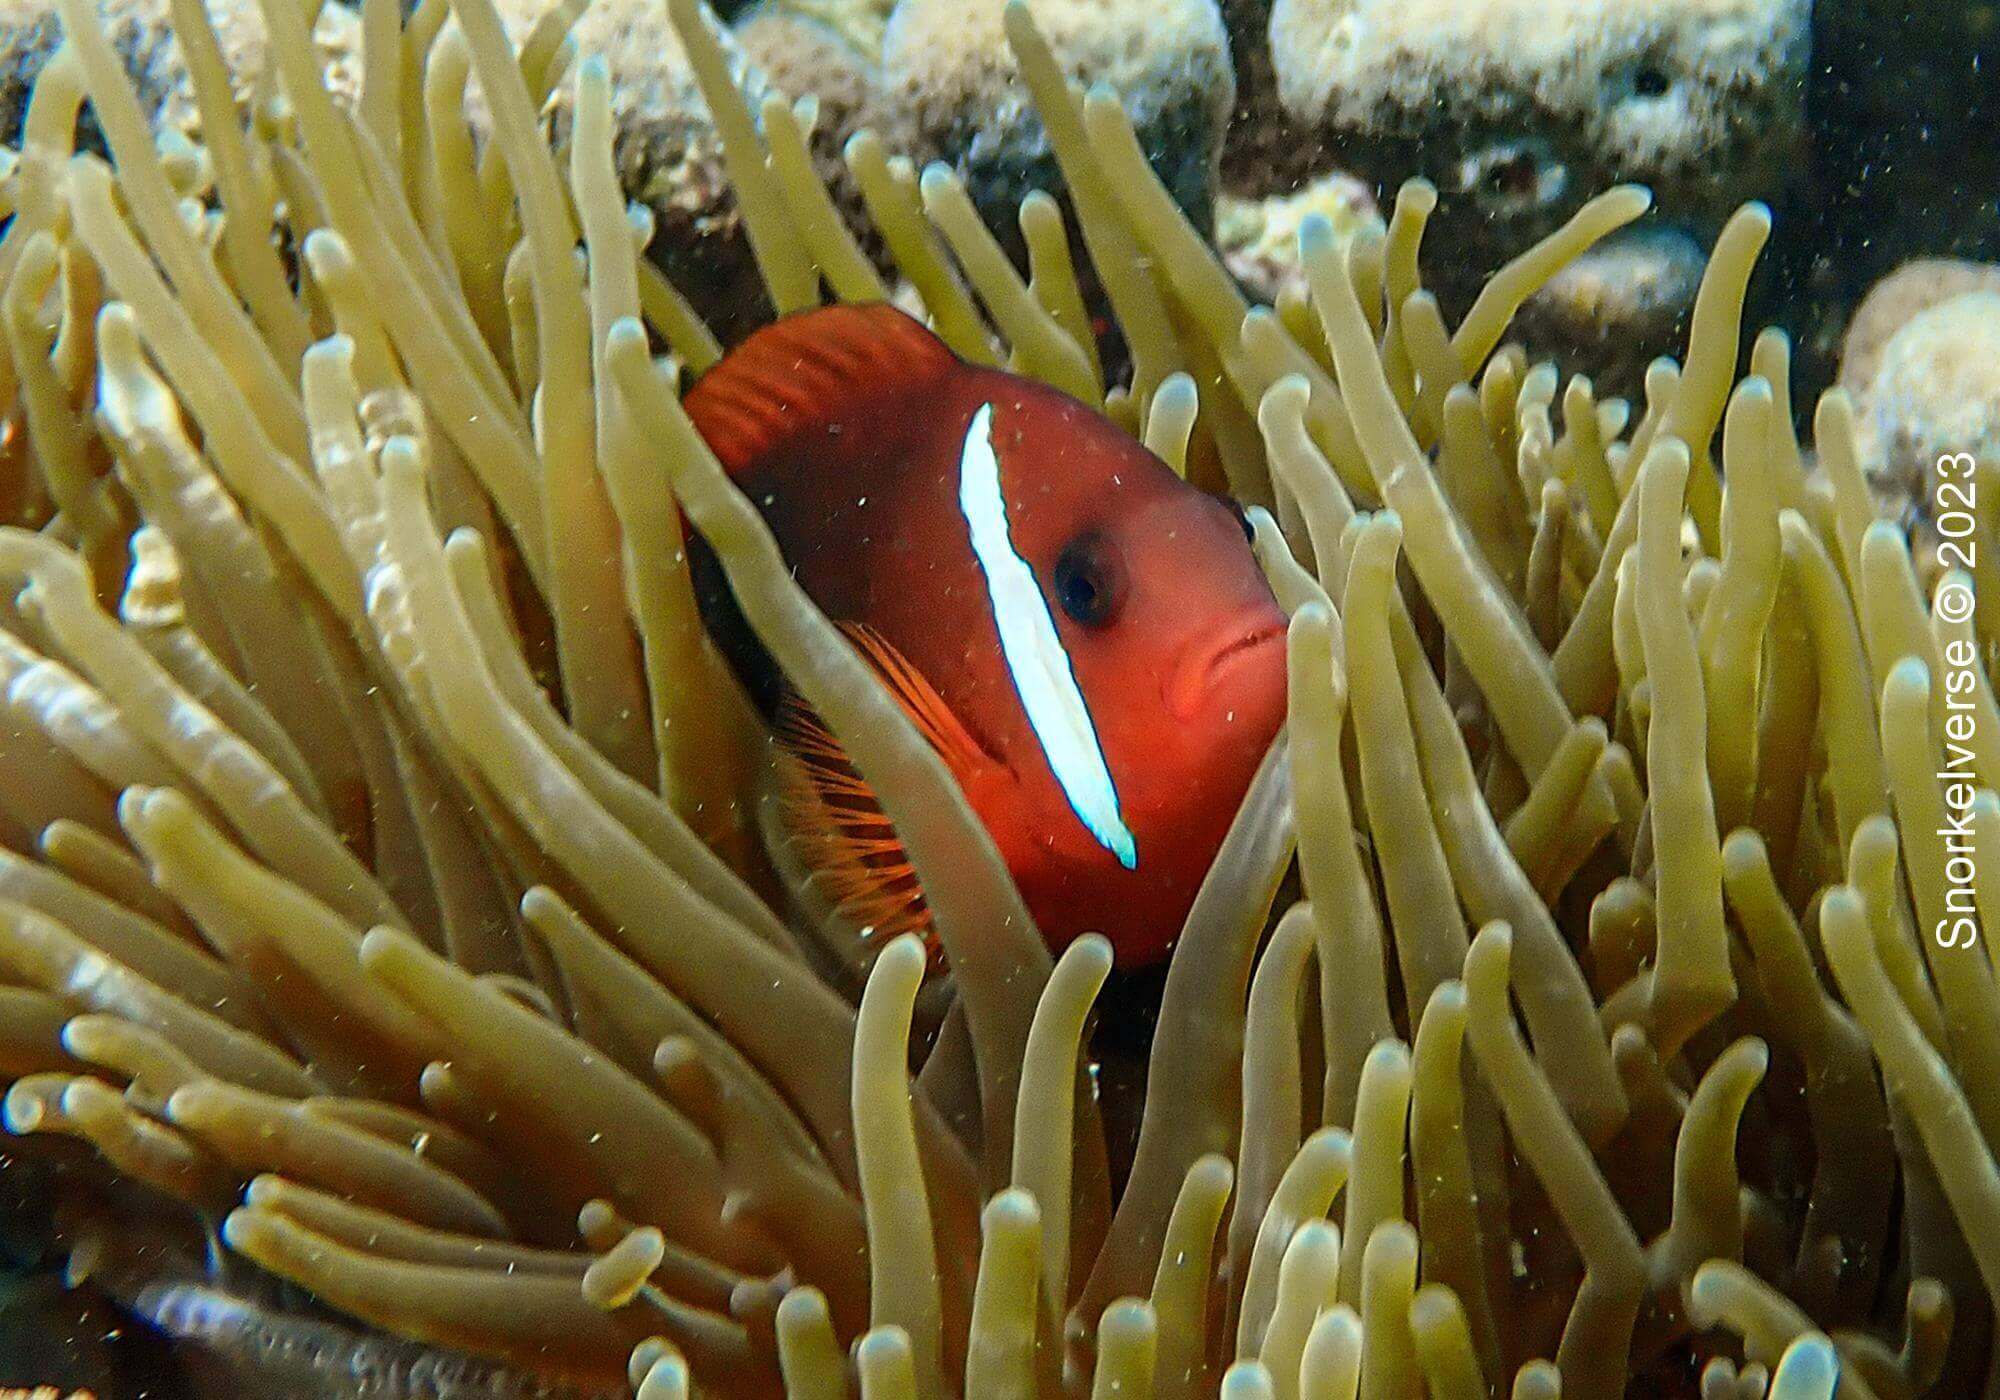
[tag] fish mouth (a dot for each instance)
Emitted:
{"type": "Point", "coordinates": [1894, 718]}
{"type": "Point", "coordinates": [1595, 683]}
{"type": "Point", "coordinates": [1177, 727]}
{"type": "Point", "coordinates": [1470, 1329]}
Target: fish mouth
{"type": "Point", "coordinates": [1204, 667]}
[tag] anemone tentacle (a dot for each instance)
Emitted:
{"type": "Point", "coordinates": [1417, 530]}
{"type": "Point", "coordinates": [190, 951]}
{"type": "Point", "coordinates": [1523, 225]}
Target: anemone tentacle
{"type": "Point", "coordinates": [381, 914]}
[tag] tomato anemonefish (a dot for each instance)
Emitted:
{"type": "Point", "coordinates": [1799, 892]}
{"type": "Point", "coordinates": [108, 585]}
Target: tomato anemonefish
{"type": "Point", "coordinates": [1086, 639]}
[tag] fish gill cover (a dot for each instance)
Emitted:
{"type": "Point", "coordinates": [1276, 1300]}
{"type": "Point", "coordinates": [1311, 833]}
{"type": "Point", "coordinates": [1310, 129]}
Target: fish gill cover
{"type": "Point", "coordinates": [395, 997]}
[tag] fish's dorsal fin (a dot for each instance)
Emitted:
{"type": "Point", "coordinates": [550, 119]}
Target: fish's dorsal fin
{"type": "Point", "coordinates": [801, 372]}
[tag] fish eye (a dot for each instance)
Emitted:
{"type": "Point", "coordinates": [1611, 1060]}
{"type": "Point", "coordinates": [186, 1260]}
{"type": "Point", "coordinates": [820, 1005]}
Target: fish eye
{"type": "Point", "coordinates": [1090, 580]}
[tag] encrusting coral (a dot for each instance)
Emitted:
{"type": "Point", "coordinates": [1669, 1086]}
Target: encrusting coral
{"type": "Point", "coordinates": [382, 889]}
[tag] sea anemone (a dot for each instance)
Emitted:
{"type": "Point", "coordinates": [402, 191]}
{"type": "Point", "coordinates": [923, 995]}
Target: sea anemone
{"type": "Point", "coordinates": [392, 984]}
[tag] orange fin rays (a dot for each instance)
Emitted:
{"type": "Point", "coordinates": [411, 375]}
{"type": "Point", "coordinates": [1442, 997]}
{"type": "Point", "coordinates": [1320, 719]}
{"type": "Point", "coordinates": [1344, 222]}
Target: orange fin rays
{"type": "Point", "coordinates": [831, 815]}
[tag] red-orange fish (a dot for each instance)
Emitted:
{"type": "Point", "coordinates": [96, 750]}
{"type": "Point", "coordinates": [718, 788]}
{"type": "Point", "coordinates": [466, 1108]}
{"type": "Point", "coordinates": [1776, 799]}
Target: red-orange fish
{"type": "Point", "coordinates": [1085, 638]}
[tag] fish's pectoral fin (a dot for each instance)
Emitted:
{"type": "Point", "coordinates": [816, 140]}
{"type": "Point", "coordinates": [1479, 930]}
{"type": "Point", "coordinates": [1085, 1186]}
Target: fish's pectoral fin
{"type": "Point", "coordinates": [831, 817]}
{"type": "Point", "coordinates": [919, 699]}
{"type": "Point", "coordinates": [837, 830]}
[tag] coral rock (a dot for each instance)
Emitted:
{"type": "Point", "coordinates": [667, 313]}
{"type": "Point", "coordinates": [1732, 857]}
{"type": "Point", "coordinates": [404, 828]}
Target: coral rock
{"type": "Point", "coordinates": [143, 33]}
{"type": "Point", "coordinates": [800, 53]}
{"type": "Point", "coordinates": [1611, 312]}
{"type": "Point", "coordinates": [1259, 238]}
{"type": "Point", "coordinates": [669, 157]}
{"type": "Point", "coordinates": [857, 22]}
{"type": "Point", "coordinates": [1935, 391]}
{"type": "Point", "coordinates": [1912, 288]}
{"type": "Point", "coordinates": [950, 74]}
{"type": "Point", "coordinates": [1520, 109]}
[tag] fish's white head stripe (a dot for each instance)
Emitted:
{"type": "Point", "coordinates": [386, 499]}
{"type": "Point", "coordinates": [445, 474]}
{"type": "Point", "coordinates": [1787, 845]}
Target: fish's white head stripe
{"type": "Point", "coordinates": [1043, 676]}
